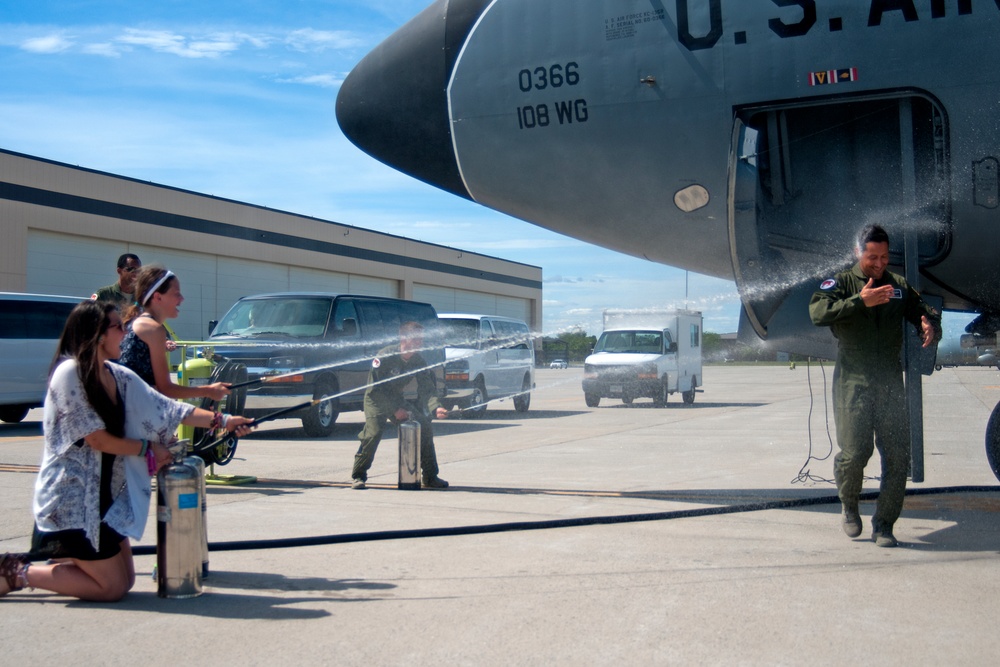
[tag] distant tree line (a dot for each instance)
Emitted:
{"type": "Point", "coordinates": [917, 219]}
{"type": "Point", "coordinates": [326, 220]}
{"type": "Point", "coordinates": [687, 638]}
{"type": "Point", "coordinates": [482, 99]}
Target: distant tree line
{"type": "Point", "coordinates": [573, 346]}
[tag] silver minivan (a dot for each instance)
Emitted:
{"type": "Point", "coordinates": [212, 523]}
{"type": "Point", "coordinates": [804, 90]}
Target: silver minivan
{"type": "Point", "coordinates": [489, 357]}
{"type": "Point", "coordinates": [30, 326]}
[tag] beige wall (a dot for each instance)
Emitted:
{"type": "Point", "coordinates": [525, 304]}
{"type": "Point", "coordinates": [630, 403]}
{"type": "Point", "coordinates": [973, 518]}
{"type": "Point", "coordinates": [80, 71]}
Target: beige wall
{"type": "Point", "coordinates": [63, 228]}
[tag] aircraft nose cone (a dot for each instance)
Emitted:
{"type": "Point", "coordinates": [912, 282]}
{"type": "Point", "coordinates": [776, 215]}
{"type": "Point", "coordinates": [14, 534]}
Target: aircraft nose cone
{"type": "Point", "coordinates": [393, 104]}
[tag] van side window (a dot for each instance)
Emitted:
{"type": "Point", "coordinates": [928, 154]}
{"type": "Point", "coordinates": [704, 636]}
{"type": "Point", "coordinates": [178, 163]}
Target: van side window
{"type": "Point", "coordinates": [695, 335]}
{"type": "Point", "coordinates": [315, 316]}
{"type": "Point", "coordinates": [390, 321]}
{"type": "Point", "coordinates": [375, 336]}
{"type": "Point", "coordinates": [345, 321]}
{"type": "Point", "coordinates": [512, 336]}
{"type": "Point", "coordinates": [12, 323]}
{"type": "Point", "coordinates": [487, 337]}
{"type": "Point", "coordinates": [33, 319]}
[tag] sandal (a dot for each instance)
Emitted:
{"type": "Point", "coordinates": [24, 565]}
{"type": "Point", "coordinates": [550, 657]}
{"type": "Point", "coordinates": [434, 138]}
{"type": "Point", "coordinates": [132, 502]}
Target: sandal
{"type": "Point", "coordinates": [12, 570]}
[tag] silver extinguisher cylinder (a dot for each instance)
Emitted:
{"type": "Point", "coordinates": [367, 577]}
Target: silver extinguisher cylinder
{"type": "Point", "coordinates": [199, 464]}
{"type": "Point", "coordinates": [409, 455]}
{"type": "Point", "coordinates": [178, 531]}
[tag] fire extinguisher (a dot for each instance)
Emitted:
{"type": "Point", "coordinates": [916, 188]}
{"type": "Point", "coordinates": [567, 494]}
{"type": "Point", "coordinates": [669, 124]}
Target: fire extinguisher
{"type": "Point", "coordinates": [198, 464]}
{"type": "Point", "coordinates": [178, 529]}
{"type": "Point", "coordinates": [409, 454]}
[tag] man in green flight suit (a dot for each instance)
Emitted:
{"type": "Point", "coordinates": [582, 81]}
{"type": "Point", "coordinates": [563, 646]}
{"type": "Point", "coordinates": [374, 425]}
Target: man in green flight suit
{"type": "Point", "coordinates": [120, 292]}
{"type": "Point", "coordinates": [392, 369]}
{"type": "Point", "coordinates": [865, 307]}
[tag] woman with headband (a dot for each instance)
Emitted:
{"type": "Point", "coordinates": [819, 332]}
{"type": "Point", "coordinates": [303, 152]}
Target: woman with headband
{"type": "Point", "coordinates": [144, 350]}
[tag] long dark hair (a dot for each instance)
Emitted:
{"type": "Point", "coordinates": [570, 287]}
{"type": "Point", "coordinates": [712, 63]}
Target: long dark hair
{"type": "Point", "coordinates": [144, 281]}
{"type": "Point", "coordinates": [80, 340]}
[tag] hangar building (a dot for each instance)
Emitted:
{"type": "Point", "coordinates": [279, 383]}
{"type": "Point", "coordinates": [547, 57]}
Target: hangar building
{"type": "Point", "coordinates": [63, 228]}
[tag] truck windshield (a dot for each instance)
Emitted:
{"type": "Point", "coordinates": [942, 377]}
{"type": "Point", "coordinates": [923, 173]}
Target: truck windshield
{"type": "Point", "coordinates": [460, 333]}
{"type": "Point", "coordinates": [638, 342]}
{"type": "Point", "coordinates": [294, 316]}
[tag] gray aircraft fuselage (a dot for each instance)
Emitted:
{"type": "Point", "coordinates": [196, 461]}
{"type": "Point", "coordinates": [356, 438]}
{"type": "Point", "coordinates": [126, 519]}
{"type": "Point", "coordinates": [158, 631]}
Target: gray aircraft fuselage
{"type": "Point", "coordinates": [747, 140]}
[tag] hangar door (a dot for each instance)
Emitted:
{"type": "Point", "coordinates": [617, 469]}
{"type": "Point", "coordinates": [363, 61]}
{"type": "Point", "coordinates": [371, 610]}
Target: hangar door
{"type": "Point", "coordinates": [77, 266]}
{"type": "Point", "coordinates": [450, 300]}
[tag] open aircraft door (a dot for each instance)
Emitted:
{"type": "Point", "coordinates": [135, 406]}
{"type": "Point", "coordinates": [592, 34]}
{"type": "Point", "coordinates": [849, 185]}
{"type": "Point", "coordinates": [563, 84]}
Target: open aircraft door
{"type": "Point", "coordinates": [803, 179]}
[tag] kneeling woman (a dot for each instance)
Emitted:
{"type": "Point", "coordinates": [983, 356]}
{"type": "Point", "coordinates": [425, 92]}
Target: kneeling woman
{"type": "Point", "coordinates": [85, 506]}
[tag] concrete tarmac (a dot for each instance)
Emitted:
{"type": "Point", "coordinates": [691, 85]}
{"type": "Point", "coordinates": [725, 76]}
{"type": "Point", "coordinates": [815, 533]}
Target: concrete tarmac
{"type": "Point", "coordinates": [757, 587]}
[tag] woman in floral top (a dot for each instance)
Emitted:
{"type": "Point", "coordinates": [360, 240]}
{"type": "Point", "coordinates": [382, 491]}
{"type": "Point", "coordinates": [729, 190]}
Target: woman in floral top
{"type": "Point", "coordinates": [102, 423]}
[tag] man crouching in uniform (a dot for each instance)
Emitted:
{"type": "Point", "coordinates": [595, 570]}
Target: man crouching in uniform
{"type": "Point", "coordinates": [865, 307]}
{"type": "Point", "coordinates": [391, 371]}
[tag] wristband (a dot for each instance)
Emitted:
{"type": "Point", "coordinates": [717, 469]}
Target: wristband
{"type": "Point", "coordinates": [225, 419]}
{"type": "Point", "coordinates": [216, 420]}
{"type": "Point", "coordinates": [143, 447]}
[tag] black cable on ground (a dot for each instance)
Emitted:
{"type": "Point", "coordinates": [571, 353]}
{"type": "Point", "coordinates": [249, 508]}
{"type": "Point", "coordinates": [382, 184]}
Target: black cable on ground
{"type": "Point", "coordinates": [805, 473]}
{"type": "Point", "coordinates": [321, 540]}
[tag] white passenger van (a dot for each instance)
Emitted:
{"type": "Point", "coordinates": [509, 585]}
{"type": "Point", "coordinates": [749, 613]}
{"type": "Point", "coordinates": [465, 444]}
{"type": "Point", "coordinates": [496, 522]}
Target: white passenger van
{"type": "Point", "coordinates": [30, 326]}
{"type": "Point", "coordinates": [489, 357]}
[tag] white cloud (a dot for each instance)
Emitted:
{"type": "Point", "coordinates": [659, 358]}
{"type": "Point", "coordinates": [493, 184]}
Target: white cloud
{"type": "Point", "coordinates": [113, 42]}
{"type": "Point", "coordinates": [308, 39]}
{"type": "Point", "coordinates": [165, 41]}
{"type": "Point", "coordinates": [106, 49]}
{"type": "Point", "coordinates": [54, 43]}
{"type": "Point", "coordinates": [321, 80]}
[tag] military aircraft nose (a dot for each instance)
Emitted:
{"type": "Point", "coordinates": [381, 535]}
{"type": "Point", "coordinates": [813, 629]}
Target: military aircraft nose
{"type": "Point", "coordinates": [393, 104]}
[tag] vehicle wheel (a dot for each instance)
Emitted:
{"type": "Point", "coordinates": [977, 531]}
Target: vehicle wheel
{"type": "Point", "coordinates": [627, 400]}
{"type": "Point", "coordinates": [689, 394]}
{"type": "Point", "coordinates": [477, 403]}
{"type": "Point", "coordinates": [593, 400]}
{"type": "Point", "coordinates": [523, 400]}
{"type": "Point", "coordinates": [660, 400]}
{"type": "Point", "coordinates": [12, 414]}
{"type": "Point", "coordinates": [321, 418]}
{"type": "Point", "coordinates": [937, 367]}
{"type": "Point", "coordinates": [993, 441]}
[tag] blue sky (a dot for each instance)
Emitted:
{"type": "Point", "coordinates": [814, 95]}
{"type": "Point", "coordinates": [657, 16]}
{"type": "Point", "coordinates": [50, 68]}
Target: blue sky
{"type": "Point", "coordinates": [236, 99]}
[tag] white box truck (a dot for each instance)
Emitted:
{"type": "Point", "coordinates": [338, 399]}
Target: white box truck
{"type": "Point", "coordinates": [645, 353]}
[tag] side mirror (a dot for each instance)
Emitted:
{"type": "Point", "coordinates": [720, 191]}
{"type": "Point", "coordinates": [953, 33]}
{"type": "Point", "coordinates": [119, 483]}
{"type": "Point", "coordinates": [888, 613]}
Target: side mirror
{"type": "Point", "coordinates": [211, 326]}
{"type": "Point", "coordinates": [672, 347]}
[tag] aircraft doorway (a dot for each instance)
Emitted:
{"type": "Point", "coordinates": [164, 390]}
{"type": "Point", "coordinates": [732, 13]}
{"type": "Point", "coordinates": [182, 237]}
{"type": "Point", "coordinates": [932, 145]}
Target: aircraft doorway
{"type": "Point", "coordinates": [805, 178]}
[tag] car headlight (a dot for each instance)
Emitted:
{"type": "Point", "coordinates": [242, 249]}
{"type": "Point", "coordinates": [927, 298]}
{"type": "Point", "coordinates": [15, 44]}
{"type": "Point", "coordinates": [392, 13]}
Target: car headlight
{"type": "Point", "coordinates": [284, 362]}
{"type": "Point", "coordinates": [457, 371]}
{"type": "Point", "coordinates": [648, 372]}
